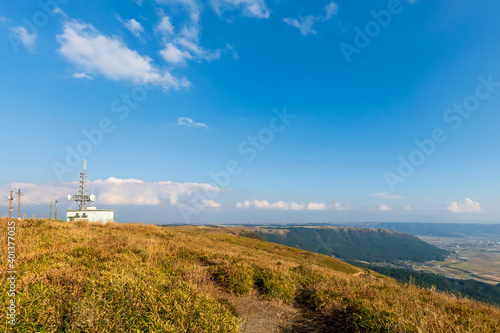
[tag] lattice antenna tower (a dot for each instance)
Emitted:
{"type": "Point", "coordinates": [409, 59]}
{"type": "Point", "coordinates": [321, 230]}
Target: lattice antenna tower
{"type": "Point", "coordinates": [82, 198]}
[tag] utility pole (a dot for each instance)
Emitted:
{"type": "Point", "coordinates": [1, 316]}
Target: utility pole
{"type": "Point", "coordinates": [10, 203]}
{"type": "Point", "coordinates": [18, 204]}
{"type": "Point", "coordinates": [50, 216]}
{"type": "Point", "coordinates": [55, 213]}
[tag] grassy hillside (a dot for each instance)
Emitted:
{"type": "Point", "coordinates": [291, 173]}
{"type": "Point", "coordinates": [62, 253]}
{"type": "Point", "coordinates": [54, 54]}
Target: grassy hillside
{"type": "Point", "coordinates": [477, 290]}
{"type": "Point", "coordinates": [82, 277]}
{"type": "Point", "coordinates": [372, 245]}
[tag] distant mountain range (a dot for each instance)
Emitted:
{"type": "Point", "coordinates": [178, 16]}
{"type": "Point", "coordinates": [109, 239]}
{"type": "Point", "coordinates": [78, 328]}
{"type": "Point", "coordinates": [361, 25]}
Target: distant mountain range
{"type": "Point", "coordinates": [436, 229]}
{"type": "Point", "coordinates": [349, 243]}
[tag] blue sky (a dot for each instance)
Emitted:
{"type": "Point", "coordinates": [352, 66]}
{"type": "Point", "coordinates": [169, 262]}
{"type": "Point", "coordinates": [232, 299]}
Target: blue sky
{"type": "Point", "coordinates": [254, 111]}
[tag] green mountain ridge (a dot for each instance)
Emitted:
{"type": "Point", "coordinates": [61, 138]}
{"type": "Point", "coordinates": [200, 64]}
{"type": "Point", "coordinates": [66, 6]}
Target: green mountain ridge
{"type": "Point", "coordinates": [349, 243]}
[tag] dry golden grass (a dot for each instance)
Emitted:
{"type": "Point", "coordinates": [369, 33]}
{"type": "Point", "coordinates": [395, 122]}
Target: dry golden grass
{"type": "Point", "coordinates": [82, 277]}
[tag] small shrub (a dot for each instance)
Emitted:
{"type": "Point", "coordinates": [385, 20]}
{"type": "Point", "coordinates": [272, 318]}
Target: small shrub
{"type": "Point", "coordinates": [306, 276]}
{"type": "Point", "coordinates": [319, 299]}
{"type": "Point", "coordinates": [236, 277]}
{"type": "Point", "coordinates": [276, 284]}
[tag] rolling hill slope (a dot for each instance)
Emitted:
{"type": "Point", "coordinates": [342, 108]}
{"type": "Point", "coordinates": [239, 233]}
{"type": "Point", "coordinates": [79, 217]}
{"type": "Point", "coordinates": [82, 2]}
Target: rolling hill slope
{"type": "Point", "coordinates": [81, 277]}
{"type": "Point", "coordinates": [372, 245]}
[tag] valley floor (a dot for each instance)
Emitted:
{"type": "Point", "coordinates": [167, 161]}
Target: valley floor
{"type": "Point", "coordinates": [477, 259]}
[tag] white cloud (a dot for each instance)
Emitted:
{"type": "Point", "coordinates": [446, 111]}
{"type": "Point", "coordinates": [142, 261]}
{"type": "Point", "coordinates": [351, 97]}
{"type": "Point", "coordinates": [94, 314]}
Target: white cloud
{"type": "Point", "coordinates": [296, 206]}
{"type": "Point", "coordinates": [133, 26]}
{"type": "Point", "coordinates": [387, 195]}
{"type": "Point", "coordinates": [90, 50]}
{"type": "Point", "coordinates": [185, 43]}
{"type": "Point", "coordinates": [210, 204]}
{"type": "Point", "coordinates": [188, 122]}
{"type": "Point", "coordinates": [82, 76]}
{"type": "Point", "coordinates": [304, 24]}
{"type": "Point", "coordinates": [43, 193]}
{"type": "Point", "coordinates": [316, 206]}
{"type": "Point", "coordinates": [331, 9]}
{"type": "Point", "coordinates": [250, 8]}
{"type": "Point", "coordinates": [27, 39]}
{"type": "Point", "coordinates": [264, 204]}
{"type": "Point", "coordinates": [384, 208]}
{"type": "Point", "coordinates": [165, 26]}
{"type": "Point", "coordinates": [116, 191]}
{"type": "Point", "coordinates": [267, 205]}
{"type": "Point", "coordinates": [193, 7]}
{"type": "Point", "coordinates": [407, 208]}
{"type": "Point", "coordinates": [466, 206]}
{"type": "Point", "coordinates": [173, 55]}
{"type": "Point", "coordinates": [338, 206]}
{"type": "Point", "coordinates": [4, 19]}
{"type": "Point", "coordinates": [245, 204]}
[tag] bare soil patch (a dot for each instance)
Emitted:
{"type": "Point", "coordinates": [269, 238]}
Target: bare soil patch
{"type": "Point", "coordinates": [259, 315]}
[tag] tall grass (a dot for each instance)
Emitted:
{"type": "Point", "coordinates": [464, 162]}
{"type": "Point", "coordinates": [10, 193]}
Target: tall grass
{"type": "Point", "coordinates": [82, 277]}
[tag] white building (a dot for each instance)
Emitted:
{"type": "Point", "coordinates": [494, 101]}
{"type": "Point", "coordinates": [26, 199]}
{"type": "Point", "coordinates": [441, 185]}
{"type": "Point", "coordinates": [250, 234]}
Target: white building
{"type": "Point", "coordinates": [82, 199]}
{"type": "Point", "coordinates": [91, 214]}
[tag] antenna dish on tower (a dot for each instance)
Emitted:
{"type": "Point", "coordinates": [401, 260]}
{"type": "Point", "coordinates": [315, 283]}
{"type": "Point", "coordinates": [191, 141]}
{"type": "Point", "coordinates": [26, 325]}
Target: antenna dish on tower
{"type": "Point", "coordinates": [92, 197]}
{"type": "Point", "coordinates": [70, 197]}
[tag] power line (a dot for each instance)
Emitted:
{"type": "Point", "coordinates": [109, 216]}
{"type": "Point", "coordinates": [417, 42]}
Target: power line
{"type": "Point", "coordinates": [33, 201]}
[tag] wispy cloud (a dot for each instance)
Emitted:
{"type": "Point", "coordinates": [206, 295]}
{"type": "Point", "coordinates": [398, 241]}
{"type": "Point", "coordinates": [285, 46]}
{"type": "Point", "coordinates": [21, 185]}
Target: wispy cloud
{"type": "Point", "coordinates": [466, 206]}
{"type": "Point", "coordinates": [231, 49]}
{"type": "Point", "coordinates": [250, 8]}
{"type": "Point", "coordinates": [387, 195]}
{"type": "Point", "coordinates": [133, 26]}
{"type": "Point", "coordinates": [188, 122]}
{"type": "Point", "coordinates": [331, 10]}
{"type": "Point", "coordinates": [90, 50]}
{"type": "Point", "coordinates": [181, 44]}
{"type": "Point", "coordinates": [82, 76]}
{"type": "Point", "coordinates": [27, 39]}
{"type": "Point", "coordinates": [305, 23]}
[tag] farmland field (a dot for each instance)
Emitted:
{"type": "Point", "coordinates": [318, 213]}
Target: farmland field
{"type": "Point", "coordinates": [477, 259]}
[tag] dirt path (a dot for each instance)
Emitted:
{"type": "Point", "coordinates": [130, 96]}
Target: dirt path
{"type": "Point", "coordinates": [263, 316]}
